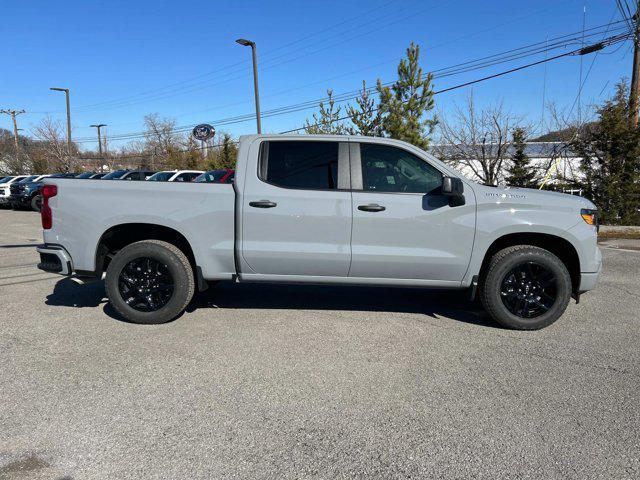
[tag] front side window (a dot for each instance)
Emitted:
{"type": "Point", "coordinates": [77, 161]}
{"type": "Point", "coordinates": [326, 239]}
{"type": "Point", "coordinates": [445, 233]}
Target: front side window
{"type": "Point", "coordinates": [391, 169]}
{"type": "Point", "coordinates": [300, 164]}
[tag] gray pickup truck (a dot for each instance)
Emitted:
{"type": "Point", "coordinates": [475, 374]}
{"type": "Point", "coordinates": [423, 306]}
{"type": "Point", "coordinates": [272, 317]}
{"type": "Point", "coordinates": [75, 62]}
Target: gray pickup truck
{"type": "Point", "coordinates": [326, 210]}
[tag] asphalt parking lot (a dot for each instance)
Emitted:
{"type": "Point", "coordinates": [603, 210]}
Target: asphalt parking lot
{"type": "Point", "coordinates": [312, 382]}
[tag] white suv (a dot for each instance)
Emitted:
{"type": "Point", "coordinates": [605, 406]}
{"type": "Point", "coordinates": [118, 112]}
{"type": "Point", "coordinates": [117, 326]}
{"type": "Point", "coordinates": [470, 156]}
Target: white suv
{"type": "Point", "coordinates": [5, 183]}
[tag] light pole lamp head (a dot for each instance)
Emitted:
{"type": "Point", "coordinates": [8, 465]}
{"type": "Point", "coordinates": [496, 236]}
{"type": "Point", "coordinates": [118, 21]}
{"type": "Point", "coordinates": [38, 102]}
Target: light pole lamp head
{"type": "Point", "coordinates": [244, 42]}
{"type": "Point", "coordinates": [57, 89]}
{"type": "Point", "coordinates": [99, 125]}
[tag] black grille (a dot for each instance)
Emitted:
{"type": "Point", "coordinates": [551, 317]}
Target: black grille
{"type": "Point", "coordinates": [16, 189]}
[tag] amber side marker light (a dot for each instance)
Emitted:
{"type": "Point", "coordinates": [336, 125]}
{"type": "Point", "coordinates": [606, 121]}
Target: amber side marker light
{"type": "Point", "coordinates": [590, 216]}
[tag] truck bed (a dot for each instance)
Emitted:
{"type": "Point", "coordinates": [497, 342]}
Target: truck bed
{"type": "Point", "coordinates": [83, 210]}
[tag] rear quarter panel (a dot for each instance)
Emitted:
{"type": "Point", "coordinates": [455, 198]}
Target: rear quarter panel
{"type": "Point", "coordinates": [203, 213]}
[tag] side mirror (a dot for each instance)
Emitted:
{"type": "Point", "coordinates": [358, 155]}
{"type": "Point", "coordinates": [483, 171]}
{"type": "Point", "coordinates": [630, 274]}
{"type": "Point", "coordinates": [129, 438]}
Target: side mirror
{"type": "Point", "coordinates": [453, 188]}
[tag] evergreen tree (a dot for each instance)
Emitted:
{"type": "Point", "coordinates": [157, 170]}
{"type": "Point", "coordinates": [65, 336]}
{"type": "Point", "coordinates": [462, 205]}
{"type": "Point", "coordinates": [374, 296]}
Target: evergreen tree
{"type": "Point", "coordinates": [520, 173]}
{"type": "Point", "coordinates": [327, 120]}
{"type": "Point", "coordinates": [366, 117]}
{"type": "Point", "coordinates": [403, 105]}
{"type": "Point", "coordinates": [610, 151]}
{"type": "Point", "coordinates": [227, 153]}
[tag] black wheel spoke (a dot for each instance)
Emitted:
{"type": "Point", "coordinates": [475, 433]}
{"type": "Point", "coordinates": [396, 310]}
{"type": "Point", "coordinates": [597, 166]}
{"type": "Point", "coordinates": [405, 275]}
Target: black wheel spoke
{"type": "Point", "coordinates": [146, 284]}
{"type": "Point", "coordinates": [529, 290]}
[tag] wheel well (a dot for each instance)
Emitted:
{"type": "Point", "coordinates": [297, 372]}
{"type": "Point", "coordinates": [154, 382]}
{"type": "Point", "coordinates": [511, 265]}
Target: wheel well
{"type": "Point", "coordinates": [560, 247]}
{"type": "Point", "coordinates": [119, 236]}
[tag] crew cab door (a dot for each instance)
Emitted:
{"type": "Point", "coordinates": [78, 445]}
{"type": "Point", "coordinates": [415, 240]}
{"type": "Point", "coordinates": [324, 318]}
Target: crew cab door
{"type": "Point", "coordinates": [296, 210]}
{"type": "Point", "coordinates": [403, 227]}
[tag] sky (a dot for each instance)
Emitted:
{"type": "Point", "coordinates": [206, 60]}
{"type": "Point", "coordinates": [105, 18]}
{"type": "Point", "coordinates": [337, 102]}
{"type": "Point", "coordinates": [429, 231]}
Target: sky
{"type": "Point", "coordinates": [123, 60]}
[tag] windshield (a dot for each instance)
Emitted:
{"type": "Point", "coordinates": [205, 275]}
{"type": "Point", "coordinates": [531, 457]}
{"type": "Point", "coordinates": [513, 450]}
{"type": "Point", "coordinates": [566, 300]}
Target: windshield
{"type": "Point", "coordinates": [161, 177]}
{"type": "Point", "coordinates": [85, 175]}
{"type": "Point", "coordinates": [30, 178]}
{"type": "Point", "coordinates": [114, 175]}
{"type": "Point", "coordinates": [6, 179]}
{"type": "Point", "coordinates": [214, 176]}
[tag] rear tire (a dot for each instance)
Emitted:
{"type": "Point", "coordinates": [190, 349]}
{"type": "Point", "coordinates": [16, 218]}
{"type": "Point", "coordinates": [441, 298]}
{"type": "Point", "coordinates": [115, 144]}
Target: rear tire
{"type": "Point", "coordinates": [525, 287]}
{"type": "Point", "coordinates": [150, 282]}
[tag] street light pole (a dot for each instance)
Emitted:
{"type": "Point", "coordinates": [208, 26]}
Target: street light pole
{"type": "Point", "coordinates": [249, 43]}
{"type": "Point", "coordinates": [98, 126]}
{"type": "Point", "coordinates": [66, 92]}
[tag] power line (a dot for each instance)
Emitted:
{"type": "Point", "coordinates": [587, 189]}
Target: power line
{"type": "Point", "coordinates": [580, 51]}
{"type": "Point", "coordinates": [468, 66]}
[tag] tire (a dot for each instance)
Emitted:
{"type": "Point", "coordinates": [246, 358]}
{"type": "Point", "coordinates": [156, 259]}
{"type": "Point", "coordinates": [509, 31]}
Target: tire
{"type": "Point", "coordinates": [525, 287]}
{"type": "Point", "coordinates": [36, 202]}
{"type": "Point", "coordinates": [135, 268]}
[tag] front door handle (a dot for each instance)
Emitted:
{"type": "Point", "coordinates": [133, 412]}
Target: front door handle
{"type": "Point", "coordinates": [263, 204]}
{"type": "Point", "coordinates": [372, 207]}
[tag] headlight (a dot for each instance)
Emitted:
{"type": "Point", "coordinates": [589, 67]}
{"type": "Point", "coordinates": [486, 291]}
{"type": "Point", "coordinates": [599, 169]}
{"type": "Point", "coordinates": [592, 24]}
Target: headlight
{"type": "Point", "coordinates": [590, 216]}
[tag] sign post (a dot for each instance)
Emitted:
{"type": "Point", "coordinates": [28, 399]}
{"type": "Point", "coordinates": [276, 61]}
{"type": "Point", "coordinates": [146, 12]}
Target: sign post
{"type": "Point", "coordinates": [204, 132]}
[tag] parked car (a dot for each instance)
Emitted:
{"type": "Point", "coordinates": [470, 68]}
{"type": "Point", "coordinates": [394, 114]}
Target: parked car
{"type": "Point", "coordinates": [24, 194]}
{"type": "Point", "coordinates": [5, 188]}
{"type": "Point", "coordinates": [36, 199]}
{"type": "Point", "coordinates": [127, 174]}
{"type": "Point", "coordinates": [175, 176]}
{"type": "Point", "coordinates": [325, 209]}
{"type": "Point", "coordinates": [226, 175]}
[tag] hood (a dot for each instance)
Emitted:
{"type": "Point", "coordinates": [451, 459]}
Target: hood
{"type": "Point", "coordinates": [528, 196]}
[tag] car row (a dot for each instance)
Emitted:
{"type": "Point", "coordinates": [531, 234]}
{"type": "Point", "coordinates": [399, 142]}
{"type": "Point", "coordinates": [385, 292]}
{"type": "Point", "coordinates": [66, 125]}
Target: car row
{"type": "Point", "coordinates": [23, 191]}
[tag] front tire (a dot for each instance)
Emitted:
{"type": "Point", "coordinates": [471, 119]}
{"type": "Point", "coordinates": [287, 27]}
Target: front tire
{"type": "Point", "coordinates": [150, 282]}
{"type": "Point", "coordinates": [36, 203]}
{"type": "Point", "coordinates": [525, 287]}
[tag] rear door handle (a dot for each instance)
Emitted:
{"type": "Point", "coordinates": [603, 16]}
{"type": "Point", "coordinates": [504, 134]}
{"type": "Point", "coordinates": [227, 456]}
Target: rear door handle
{"type": "Point", "coordinates": [263, 204]}
{"type": "Point", "coordinates": [372, 207]}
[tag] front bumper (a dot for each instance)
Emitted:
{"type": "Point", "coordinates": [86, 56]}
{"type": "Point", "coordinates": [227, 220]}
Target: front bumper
{"type": "Point", "coordinates": [21, 200]}
{"type": "Point", "coordinates": [589, 280]}
{"type": "Point", "coordinates": [55, 259]}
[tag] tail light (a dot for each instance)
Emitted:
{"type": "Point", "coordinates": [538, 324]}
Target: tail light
{"type": "Point", "coordinates": [48, 191]}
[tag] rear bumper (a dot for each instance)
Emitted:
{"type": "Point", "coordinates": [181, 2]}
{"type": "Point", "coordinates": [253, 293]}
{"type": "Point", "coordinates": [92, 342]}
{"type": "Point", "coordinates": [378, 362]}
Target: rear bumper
{"type": "Point", "coordinates": [55, 259]}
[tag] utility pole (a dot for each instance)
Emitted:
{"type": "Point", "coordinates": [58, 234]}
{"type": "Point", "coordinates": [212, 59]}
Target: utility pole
{"type": "Point", "coordinates": [635, 76]}
{"type": "Point", "coordinates": [14, 114]}
{"type": "Point", "coordinates": [98, 127]}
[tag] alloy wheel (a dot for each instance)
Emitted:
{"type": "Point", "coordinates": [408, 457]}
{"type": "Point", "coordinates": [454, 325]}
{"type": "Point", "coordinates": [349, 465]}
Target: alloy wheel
{"type": "Point", "coordinates": [146, 284]}
{"type": "Point", "coordinates": [529, 290]}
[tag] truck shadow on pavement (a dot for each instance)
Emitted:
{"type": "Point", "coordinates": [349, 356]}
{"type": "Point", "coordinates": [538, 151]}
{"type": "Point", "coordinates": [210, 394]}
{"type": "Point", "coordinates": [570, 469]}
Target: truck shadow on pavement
{"type": "Point", "coordinates": [226, 295]}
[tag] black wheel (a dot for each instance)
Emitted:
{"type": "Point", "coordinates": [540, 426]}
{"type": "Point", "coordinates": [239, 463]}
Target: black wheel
{"type": "Point", "coordinates": [150, 282]}
{"type": "Point", "coordinates": [525, 287]}
{"type": "Point", "coordinates": [36, 203]}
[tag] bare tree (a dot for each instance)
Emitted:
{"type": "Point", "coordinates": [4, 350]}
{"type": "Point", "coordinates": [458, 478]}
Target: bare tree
{"type": "Point", "coordinates": [51, 149]}
{"type": "Point", "coordinates": [161, 138]}
{"type": "Point", "coordinates": [477, 141]}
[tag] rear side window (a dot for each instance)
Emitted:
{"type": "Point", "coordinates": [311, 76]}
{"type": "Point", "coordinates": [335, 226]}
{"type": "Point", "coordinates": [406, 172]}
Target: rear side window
{"type": "Point", "coordinates": [391, 169]}
{"type": "Point", "coordinates": [186, 177]}
{"type": "Point", "coordinates": [300, 164]}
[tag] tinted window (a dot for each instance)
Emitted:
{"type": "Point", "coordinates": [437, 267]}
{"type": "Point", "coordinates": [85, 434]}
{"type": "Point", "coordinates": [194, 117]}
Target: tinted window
{"type": "Point", "coordinates": [186, 177]}
{"type": "Point", "coordinates": [303, 165]}
{"type": "Point", "coordinates": [161, 177]}
{"type": "Point", "coordinates": [114, 175]}
{"type": "Point", "coordinates": [391, 169]}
